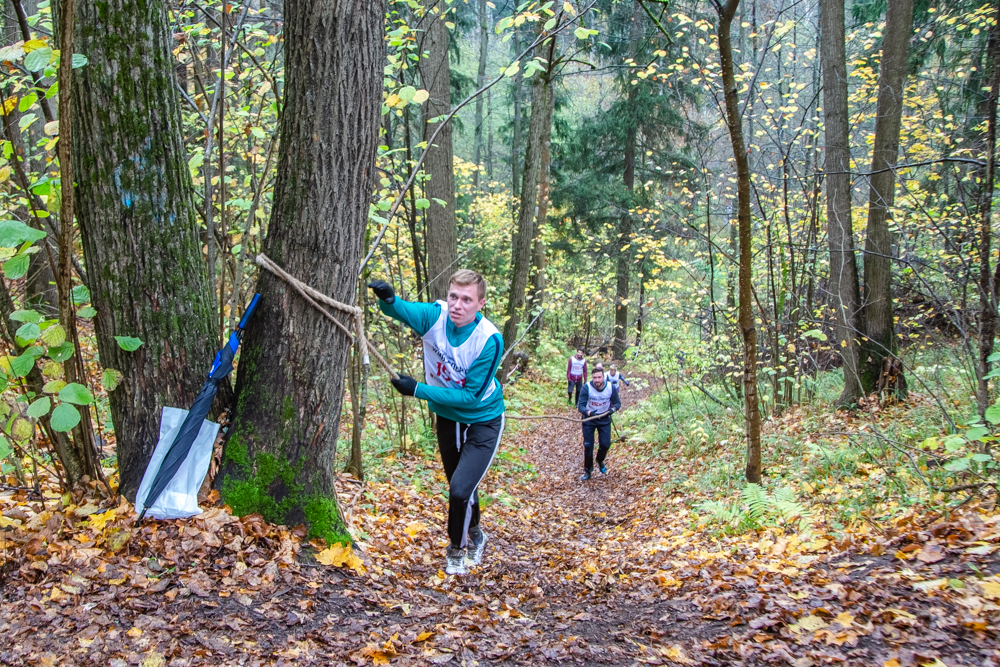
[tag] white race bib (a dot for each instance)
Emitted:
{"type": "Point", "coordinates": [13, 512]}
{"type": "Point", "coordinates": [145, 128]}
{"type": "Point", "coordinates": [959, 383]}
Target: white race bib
{"type": "Point", "coordinates": [599, 401]}
{"type": "Point", "coordinates": [446, 366]}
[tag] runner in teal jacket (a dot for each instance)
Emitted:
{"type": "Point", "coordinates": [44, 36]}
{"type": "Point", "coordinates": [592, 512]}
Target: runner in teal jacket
{"type": "Point", "coordinates": [462, 351]}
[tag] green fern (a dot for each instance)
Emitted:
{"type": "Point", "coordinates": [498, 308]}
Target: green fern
{"type": "Point", "coordinates": [757, 509]}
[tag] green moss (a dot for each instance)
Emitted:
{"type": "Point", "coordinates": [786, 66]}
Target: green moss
{"type": "Point", "coordinates": [287, 410]}
{"type": "Point", "coordinates": [323, 518]}
{"type": "Point", "coordinates": [268, 487]}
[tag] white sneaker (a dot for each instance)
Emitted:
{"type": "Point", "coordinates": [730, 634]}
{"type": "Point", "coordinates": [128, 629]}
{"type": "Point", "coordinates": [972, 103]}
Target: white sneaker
{"type": "Point", "coordinates": [474, 554]}
{"type": "Point", "coordinates": [455, 561]}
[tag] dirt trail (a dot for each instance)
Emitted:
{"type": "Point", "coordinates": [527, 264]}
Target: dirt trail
{"type": "Point", "coordinates": [612, 571]}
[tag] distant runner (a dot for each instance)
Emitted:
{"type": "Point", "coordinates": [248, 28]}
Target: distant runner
{"type": "Point", "coordinates": [462, 350]}
{"type": "Point", "coordinates": [576, 375]}
{"type": "Point", "coordinates": [614, 377]}
{"type": "Point", "coordinates": [598, 397]}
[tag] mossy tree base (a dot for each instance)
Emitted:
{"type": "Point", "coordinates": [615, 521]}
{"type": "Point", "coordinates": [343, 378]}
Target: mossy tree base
{"type": "Point", "coordinates": [279, 460]}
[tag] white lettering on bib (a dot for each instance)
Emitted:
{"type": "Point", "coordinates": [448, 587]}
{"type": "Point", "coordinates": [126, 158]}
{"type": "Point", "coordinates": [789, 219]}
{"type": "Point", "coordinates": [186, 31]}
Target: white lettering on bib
{"type": "Point", "coordinates": [599, 401]}
{"type": "Point", "coordinates": [445, 365]}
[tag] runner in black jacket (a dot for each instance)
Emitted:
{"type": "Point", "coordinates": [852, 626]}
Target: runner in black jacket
{"type": "Point", "coordinates": [598, 397]}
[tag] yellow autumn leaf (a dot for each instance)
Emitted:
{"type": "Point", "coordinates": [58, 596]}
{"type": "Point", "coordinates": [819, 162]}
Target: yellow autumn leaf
{"type": "Point", "coordinates": [991, 589]}
{"type": "Point", "coordinates": [891, 663]}
{"type": "Point", "coordinates": [811, 623]}
{"type": "Point", "coordinates": [338, 555]}
{"type": "Point", "coordinates": [4, 173]}
{"type": "Point", "coordinates": [676, 654]}
{"type": "Point", "coordinates": [414, 528]}
{"type": "Point", "coordinates": [33, 44]}
{"type": "Point", "coordinates": [420, 97]}
{"type": "Point", "coordinates": [845, 619]}
{"type": "Point", "coordinates": [134, 632]}
{"type": "Point", "coordinates": [424, 636]}
{"type": "Point", "coordinates": [392, 100]}
{"type": "Point", "coordinates": [9, 104]}
{"type": "Point", "coordinates": [99, 521]}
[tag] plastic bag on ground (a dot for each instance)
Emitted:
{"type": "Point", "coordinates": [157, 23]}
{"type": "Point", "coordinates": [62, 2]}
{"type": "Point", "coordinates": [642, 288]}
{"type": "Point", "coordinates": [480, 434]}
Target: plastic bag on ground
{"type": "Point", "coordinates": [179, 499]}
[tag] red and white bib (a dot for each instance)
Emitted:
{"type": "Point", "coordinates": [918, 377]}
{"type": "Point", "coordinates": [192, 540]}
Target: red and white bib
{"type": "Point", "coordinates": [445, 365]}
{"type": "Point", "coordinates": [599, 401]}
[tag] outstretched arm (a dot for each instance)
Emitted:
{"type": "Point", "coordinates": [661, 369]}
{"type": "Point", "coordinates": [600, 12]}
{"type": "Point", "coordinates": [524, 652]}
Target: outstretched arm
{"type": "Point", "coordinates": [418, 316]}
{"type": "Point", "coordinates": [616, 403]}
{"type": "Point", "coordinates": [477, 380]}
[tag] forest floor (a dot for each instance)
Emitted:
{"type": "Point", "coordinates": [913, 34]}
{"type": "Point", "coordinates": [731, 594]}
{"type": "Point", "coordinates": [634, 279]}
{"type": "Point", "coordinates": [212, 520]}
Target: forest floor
{"type": "Point", "coordinates": [615, 571]}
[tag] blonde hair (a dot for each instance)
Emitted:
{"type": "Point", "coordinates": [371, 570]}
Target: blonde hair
{"type": "Point", "coordinates": [469, 277]}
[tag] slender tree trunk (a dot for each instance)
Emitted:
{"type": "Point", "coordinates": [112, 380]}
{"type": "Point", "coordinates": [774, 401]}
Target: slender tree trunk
{"type": "Point", "coordinates": [988, 279]}
{"type": "Point", "coordinates": [138, 222]}
{"type": "Point", "coordinates": [623, 270]}
{"type": "Point", "coordinates": [844, 289]}
{"type": "Point", "coordinates": [72, 458]}
{"type": "Point", "coordinates": [746, 319]}
{"type": "Point", "coordinates": [280, 457]}
{"type": "Point", "coordinates": [74, 372]}
{"type": "Point", "coordinates": [484, 41]}
{"type": "Point", "coordinates": [536, 296]}
{"type": "Point", "coordinates": [527, 211]}
{"type": "Point", "coordinates": [442, 232]}
{"type": "Point", "coordinates": [516, 158]}
{"type": "Point", "coordinates": [877, 310]}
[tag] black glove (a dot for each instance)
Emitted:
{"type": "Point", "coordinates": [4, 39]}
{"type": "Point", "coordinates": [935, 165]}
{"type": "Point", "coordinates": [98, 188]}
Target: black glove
{"type": "Point", "coordinates": [405, 385]}
{"type": "Point", "coordinates": [384, 291]}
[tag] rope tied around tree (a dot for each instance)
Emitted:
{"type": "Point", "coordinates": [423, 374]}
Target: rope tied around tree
{"type": "Point", "coordinates": [315, 297]}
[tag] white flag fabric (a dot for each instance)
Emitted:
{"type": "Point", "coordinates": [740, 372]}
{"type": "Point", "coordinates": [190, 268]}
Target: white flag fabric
{"type": "Point", "coordinates": [179, 499]}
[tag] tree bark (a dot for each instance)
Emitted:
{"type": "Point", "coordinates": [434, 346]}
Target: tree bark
{"type": "Point", "coordinates": [441, 240]}
{"type": "Point", "coordinates": [877, 310]}
{"type": "Point", "coordinates": [40, 283]}
{"type": "Point", "coordinates": [280, 457]}
{"type": "Point", "coordinates": [536, 294]}
{"type": "Point", "coordinates": [843, 266]}
{"type": "Point", "coordinates": [138, 222]}
{"type": "Point", "coordinates": [624, 266]}
{"type": "Point", "coordinates": [524, 235]}
{"type": "Point", "coordinates": [515, 140]}
{"type": "Point", "coordinates": [746, 319]}
{"type": "Point", "coordinates": [987, 279]}
{"type": "Point", "coordinates": [484, 41]}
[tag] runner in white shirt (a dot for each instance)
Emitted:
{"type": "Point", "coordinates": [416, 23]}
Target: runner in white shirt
{"type": "Point", "coordinates": [576, 375]}
{"type": "Point", "coordinates": [614, 377]}
{"type": "Point", "coordinates": [597, 398]}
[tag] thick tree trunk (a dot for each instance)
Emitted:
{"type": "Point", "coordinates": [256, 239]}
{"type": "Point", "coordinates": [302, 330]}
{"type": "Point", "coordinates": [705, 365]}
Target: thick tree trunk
{"type": "Point", "coordinates": [843, 266]}
{"type": "Point", "coordinates": [484, 41]}
{"type": "Point", "coordinates": [987, 279]}
{"type": "Point", "coordinates": [280, 457]}
{"type": "Point", "coordinates": [442, 231]}
{"type": "Point", "coordinates": [746, 318]}
{"type": "Point", "coordinates": [877, 310]}
{"type": "Point", "coordinates": [524, 235]}
{"type": "Point", "coordinates": [138, 222]}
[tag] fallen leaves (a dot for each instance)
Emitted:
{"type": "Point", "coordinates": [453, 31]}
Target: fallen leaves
{"type": "Point", "coordinates": [338, 555]}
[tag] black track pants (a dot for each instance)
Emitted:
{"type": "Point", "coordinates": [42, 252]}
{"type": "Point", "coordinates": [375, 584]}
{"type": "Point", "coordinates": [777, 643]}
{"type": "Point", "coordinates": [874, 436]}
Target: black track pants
{"type": "Point", "coordinates": [570, 386]}
{"type": "Point", "coordinates": [467, 450]}
{"type": "Point", "coordinates": [603, 429]}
